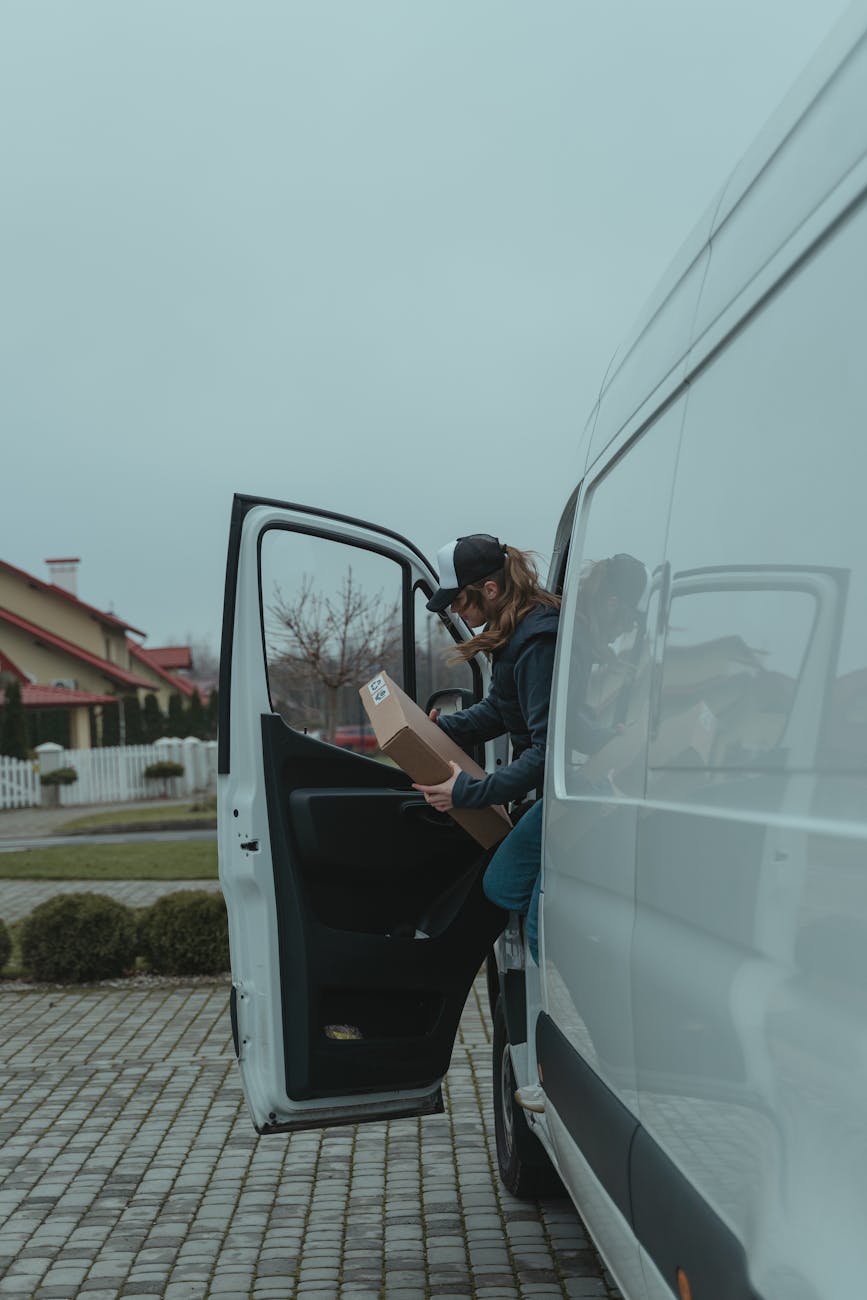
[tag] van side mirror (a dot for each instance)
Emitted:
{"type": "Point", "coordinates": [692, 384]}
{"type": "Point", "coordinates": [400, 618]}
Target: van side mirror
{"type": "Point", "coordinates": [450, 700]}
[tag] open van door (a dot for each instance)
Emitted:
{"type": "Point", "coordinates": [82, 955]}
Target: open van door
{"type": "Point", "coordinates": [357, 921]}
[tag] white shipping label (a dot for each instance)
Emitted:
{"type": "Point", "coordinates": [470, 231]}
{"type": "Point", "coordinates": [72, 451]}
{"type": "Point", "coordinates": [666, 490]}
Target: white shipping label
{"type": "Point", "coordinates": [378, 690]}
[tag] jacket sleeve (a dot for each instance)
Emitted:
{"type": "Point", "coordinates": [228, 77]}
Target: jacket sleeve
{"type": "Point", "coordinates": [533, 673]}
{"type": "Point", "coordinates": [471, 726]}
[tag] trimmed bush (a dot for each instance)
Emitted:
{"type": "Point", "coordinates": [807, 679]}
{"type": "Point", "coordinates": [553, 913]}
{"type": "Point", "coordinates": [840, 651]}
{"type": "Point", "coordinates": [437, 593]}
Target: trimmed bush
{"type": "Point", "coordinates": [74, 938]}
{"type": "Point", "coordinates": [5, 944]}
{"type": "Point", "coordinates": [60, 776]}
{"type": "Point", "coordinates": [163, 770]}
{"type": "Point", "coordinates": [185, 933]}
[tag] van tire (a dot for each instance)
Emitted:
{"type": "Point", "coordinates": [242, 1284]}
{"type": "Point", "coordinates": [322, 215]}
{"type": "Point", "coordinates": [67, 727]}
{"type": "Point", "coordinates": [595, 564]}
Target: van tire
{"type": "Point", "coordinates": [525, 1167]}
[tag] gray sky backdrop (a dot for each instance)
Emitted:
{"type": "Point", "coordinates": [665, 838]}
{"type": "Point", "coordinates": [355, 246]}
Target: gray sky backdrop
{"type": "Point", "coordinates": [372, 255]}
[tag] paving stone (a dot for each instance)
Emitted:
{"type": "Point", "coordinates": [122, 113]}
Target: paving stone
{"type": "Point", "coordinates": [132, 1170]}
{"type": "Point", "coordinates": [68, 1277]}
{"type": "Point", "coordinates": [224, 1286]}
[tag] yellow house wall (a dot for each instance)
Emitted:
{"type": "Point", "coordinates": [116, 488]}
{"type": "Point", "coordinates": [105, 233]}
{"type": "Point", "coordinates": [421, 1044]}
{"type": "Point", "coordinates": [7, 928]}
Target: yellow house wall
{"type": "Point", "coordinates": [45, 664]}
{"type": "Point", "coordinates": [63, 619]}
{"type": "Point", "coordinates": [79, 728]}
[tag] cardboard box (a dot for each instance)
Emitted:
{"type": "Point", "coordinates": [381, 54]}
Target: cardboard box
{"type": "Point", "coordinates": [406, 734]}
{"type": "Point", "coordinates": [684, 739]}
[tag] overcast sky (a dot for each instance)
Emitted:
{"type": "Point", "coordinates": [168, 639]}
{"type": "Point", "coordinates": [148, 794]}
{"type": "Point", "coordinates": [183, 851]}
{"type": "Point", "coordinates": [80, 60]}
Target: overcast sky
{"type": "Point", "coordinates": [372, 255]}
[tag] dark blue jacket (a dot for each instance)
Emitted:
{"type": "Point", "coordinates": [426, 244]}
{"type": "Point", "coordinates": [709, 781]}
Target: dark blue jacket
{"type": "Point", "coordinates": [517, 703]}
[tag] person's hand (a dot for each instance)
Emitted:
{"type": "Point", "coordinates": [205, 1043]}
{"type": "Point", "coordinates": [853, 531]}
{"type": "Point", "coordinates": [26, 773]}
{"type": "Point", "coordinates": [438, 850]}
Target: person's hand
{"type": "Point", "coordinates": [440, 796]}
{"type": "Point", "coordinates": [434, 715]}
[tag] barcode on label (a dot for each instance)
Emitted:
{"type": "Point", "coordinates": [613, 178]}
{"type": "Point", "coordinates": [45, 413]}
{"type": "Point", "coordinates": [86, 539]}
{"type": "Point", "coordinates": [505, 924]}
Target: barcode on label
{"type": "Point", "coordinates": [378, 690]}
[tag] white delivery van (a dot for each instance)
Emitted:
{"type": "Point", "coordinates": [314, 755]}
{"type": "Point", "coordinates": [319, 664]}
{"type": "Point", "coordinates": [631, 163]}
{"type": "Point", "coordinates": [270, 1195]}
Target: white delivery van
{"type": "Point", "coordinates": [699, 1014]}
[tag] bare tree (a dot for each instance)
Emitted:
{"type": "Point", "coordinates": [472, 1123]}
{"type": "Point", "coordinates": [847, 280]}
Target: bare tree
{"type": "Point", "coordinates": [326, 643]}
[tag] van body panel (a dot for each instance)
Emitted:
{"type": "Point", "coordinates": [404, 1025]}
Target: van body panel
{"type": "Point", "coordinates": [744, 905]}
{"type": "Point", "coordinates": [808, 147]}
{"type": "Point", "coordinates": [611, 1230]}
{"type": "Point", "coordinates": [783, 261]}
{"type": "Point", "coordinates": [651, 371]}
{"type": "Point", "coordinates": [745, 843]}
{"type": "Point", "coordinates": [804, 152]}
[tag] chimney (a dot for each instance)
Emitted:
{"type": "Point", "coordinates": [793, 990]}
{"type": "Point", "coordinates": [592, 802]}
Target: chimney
{"type": "Point", "coordinates": [64, 574]}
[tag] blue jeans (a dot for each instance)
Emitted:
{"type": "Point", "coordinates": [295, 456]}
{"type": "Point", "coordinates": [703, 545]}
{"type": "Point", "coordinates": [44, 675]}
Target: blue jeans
{"type": "Point", "coordinates": [512, 879]}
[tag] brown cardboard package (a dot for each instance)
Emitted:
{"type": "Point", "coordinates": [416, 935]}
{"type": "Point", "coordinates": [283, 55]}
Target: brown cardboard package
{"type": "Point", "coordinates": [406, 734]}
{"type": "Point", "coordinates": [685, 738]}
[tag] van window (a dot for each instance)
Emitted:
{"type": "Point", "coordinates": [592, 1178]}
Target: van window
{"type": "Point", "coordinates": [437, 667]}
{"type": "Point", "coordinates": [608, 671]}
{"type": "Point", "coordinates": [331, 620]}
{"type": "Point", "coordinates": [769, 502]}
{"type": "Point", "coordinates": [732, 667]}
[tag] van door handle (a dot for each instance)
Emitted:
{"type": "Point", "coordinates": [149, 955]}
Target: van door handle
{"type": "Point", "coordinates": [421, 811]}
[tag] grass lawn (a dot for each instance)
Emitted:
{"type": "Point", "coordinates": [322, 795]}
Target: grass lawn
{"type": "Point", "coordinates": [133, 816]}
{"type": "Point", "coordinates": [182, 860]}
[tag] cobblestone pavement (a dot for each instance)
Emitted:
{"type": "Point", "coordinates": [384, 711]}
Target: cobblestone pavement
{"type": "Point", "coordinates": [130, 1168]}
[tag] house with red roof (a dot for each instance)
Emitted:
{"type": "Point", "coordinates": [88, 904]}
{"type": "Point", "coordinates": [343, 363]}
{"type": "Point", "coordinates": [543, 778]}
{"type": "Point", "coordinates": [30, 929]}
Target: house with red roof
{"type": "Point", "coordinates": [153, 664]}
{"type": "Point", "coordinates": [74, 658]}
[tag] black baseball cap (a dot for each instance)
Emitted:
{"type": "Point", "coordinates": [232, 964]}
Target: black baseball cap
{"type": "Point", "coordinates": [626, 578]}
{"type": "Point", "coordinates": [465, 560]}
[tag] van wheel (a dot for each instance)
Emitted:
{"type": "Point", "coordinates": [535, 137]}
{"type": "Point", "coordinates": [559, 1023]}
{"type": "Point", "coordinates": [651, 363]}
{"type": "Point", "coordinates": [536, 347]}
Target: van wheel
{"type": "Point", "coordinates": [525, 1168]}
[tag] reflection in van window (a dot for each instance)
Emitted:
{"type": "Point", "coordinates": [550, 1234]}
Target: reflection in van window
{"type": "Point", "coordinates": [609, 672]}
{"type": "Point", "coordinates": [607, 635]}
{"type": "Point", "coordinates": [731, 668]}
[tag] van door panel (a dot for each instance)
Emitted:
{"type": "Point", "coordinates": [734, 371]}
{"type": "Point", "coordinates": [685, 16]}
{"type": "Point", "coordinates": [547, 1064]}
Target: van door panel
{"type": "Point", "coordinates": [358, 891]}
{"type": "Point", "coordinates": [357, 919]}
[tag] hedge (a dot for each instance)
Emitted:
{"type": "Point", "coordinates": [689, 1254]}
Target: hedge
{"type": "Point", "coordinates": [74, 938]}
{"type": "Point", "coordinates": [59, 776]}
{"type": "Point", "coordinates": [185, 933]}
{"type": "Point", "coordinates": [5, 944]}
{"type": "Point", "coordinates": [163, 770]}
{"type": "Point", "coordinates": [77, 938]}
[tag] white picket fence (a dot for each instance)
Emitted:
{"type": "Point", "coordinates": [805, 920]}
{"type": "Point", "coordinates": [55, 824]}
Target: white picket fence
{"type": "Point", "coordinates": [114, 775]}
{"type": "Point", "coordinates": [19, 783]}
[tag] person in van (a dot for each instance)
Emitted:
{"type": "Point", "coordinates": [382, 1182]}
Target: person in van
{"type": "Point", "coordinates": [498, 586]}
